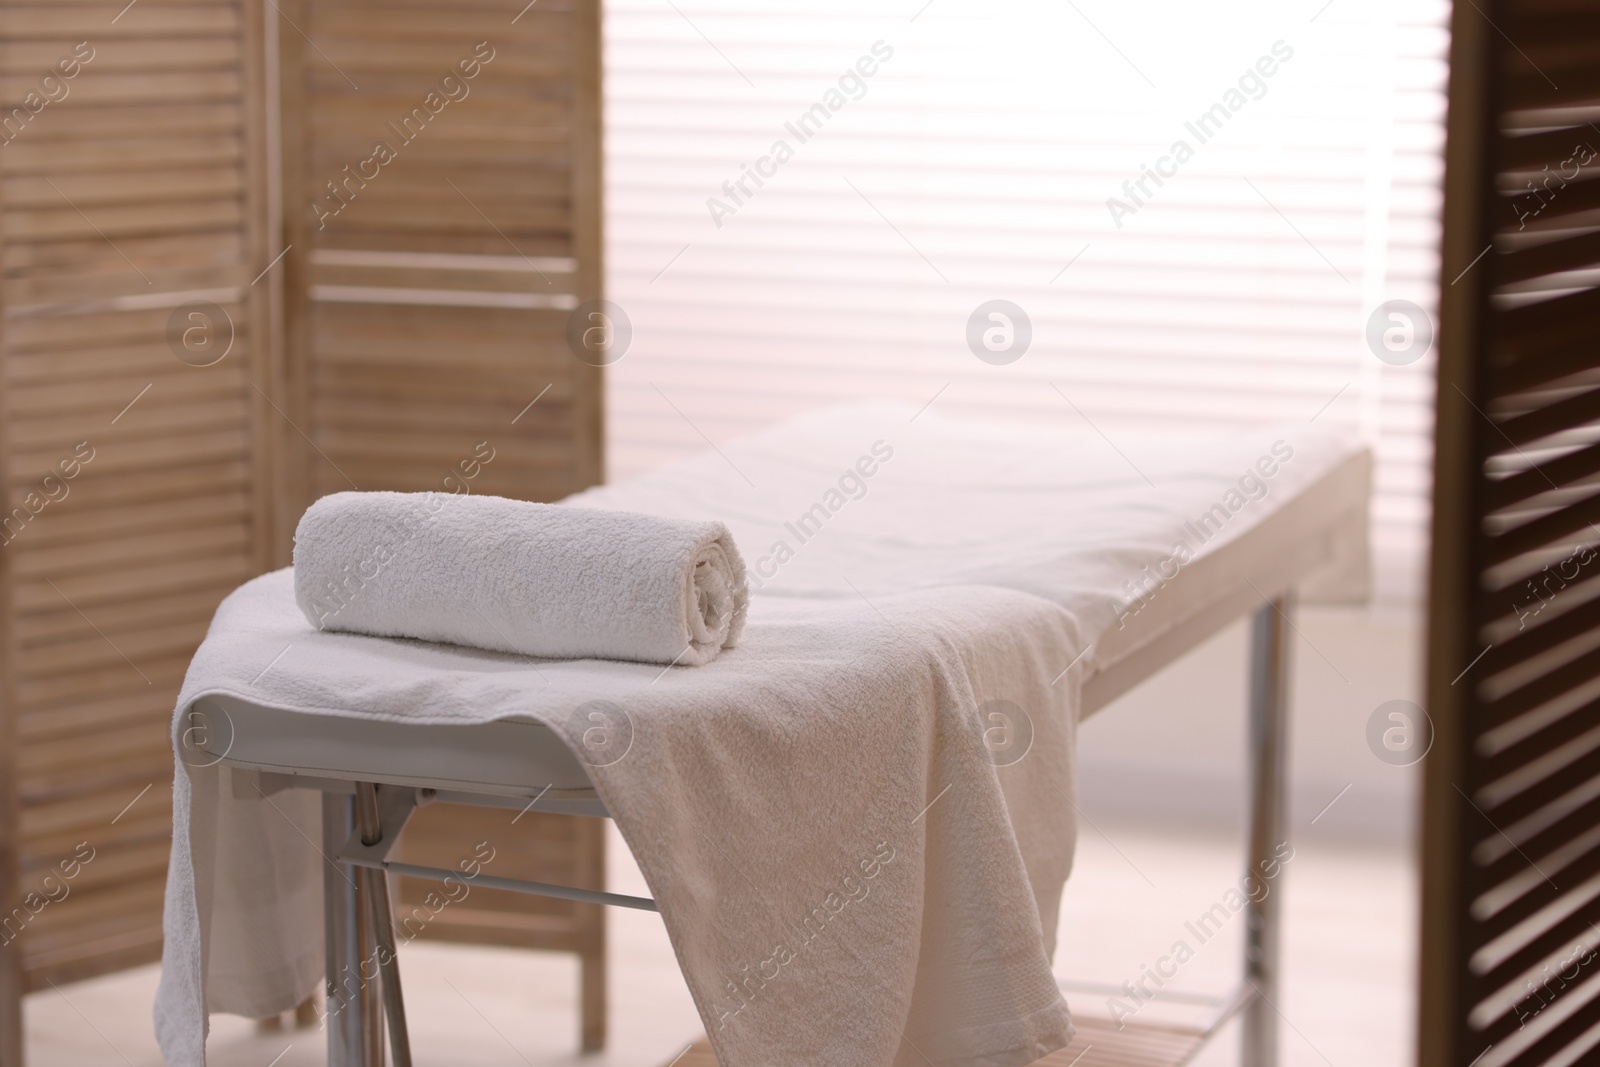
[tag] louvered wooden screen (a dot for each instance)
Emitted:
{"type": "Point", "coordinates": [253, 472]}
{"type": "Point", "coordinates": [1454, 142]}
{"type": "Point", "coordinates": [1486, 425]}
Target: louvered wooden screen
{"type": "Point", "coordinates": [1511, 905]}
{"type": "Point", "coordinates": [134, 489]}
{"type": "Point", "coordinates": [442, 204]}
{"type": "Point", "coordinates": [442, 198]}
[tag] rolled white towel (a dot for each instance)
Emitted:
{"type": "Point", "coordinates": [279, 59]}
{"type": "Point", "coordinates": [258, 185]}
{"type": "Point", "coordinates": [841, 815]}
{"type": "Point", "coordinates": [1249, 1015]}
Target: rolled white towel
{"type": "Point", "coordinates": [512, 576]}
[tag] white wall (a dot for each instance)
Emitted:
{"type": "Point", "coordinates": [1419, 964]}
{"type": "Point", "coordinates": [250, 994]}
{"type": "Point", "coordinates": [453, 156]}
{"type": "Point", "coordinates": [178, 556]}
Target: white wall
{"type": "Point", "coordinates": [1173, 749]}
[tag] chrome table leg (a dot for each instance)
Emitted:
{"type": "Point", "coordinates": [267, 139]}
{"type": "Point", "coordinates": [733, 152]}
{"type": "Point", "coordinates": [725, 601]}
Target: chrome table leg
{"type": "Point", "coordinates": [1269, 700]}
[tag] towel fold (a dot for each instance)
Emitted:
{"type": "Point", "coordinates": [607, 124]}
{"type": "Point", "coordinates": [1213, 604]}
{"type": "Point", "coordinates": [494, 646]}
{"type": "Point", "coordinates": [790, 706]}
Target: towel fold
{"type": "Point", "coordinates": [513, 576]}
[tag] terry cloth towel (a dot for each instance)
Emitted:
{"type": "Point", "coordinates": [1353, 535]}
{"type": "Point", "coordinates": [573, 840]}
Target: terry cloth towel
{"type": "Point", "coordinates": [513, 576]}
{"type": "Point", "coordinates": [821, 814]}
{"type": "Point", "coordinates": [858, 824]}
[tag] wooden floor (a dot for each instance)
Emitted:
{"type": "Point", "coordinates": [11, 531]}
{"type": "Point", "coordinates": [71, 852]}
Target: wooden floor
{"type": "Point", "coordinates": [1098, 1043]}
{"type": "Point", "coordinates": [1351, 923]}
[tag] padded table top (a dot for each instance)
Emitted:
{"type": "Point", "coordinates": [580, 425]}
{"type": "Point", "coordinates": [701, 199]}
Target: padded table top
{"type": "Point", "coordinates": [1153, 545]}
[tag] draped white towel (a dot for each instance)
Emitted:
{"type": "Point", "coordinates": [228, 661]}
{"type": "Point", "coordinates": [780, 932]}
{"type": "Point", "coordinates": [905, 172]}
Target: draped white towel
{"type": "Point", "coordinates": [513, 576]}
{"type": "Point", "coordinates": [849, 872]}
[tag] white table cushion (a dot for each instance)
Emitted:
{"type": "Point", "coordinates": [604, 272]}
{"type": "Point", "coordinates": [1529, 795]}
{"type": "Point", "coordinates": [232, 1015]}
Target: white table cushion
{"type": "Point", "coordinates": [961, 503]}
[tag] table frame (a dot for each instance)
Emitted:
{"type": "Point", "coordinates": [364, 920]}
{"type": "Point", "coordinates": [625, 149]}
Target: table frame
{"type": "Point", "coordinates": [362, 820]}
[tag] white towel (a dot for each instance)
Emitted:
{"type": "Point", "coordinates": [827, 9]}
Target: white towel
{"type": "Point", "coordinates": [847, 875]}
{"type": "Point", "coordinates": [513, 576]}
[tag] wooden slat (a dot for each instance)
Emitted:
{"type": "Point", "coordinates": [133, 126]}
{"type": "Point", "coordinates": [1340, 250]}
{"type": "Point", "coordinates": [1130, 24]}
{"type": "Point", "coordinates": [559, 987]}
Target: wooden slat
{"type": "Point", "coordinates": [100, 491]}
{"type": "Point", "coordinates": [41, 333]}
{"type": "Point", "coordinates": [164, 20]}
{"type": "Point", "coordinates": [1577, 724]}
{"type": "Point", "coordinates": [60, 260]}
{"type": "Point", "coordinates": [480, 6]}
{"type": "Point", "coordinates": [412, 337]}
{"type": "Point", "coordinates": [1533, 151]}
{"type": "Point", "coordinates": [118, 586]}
{"type": "Point", "coordinates": [1575, 468]}
{"type": "Point", "coordinates": [1572, 411]}
{"type": "Point", "coordinates": [117, 221]}
{"type": "Point", "coordinates": [1553, 1040]}
{"type": "Point", "coordinates": [144, 187]}
{"type": "Point", "coordinates": [437, 214]}
{"type": "Point", "coordinates": [1097, 1043]}
{"type": "Point", "coordinates": [1531, 217]}
{"type": "Point", "coordinates": [536, 847]}
{"type": "Point", "coordinates": [99, 85]}
{"type": "Point", "coordinates": [1552, 257]}
{"type": "Point", "coordinates": [95, 647]}
{"type": "Point", "coordinates": [377, 114]}
{"type": "Point", "coordinates": [505, 281]}
{"type": "Point", "coordinates": [85, 291]}
{"type": "Point", "coordinates": [464, 422]}
{"type": "Point", "coordinates": [76, 522]}
{"type": "Point", "coordinates": [112, 122]}
{"type": "Point", "coordinates": [29, 155]}
{"type": "Point", "coordinates": [100, 681]}
{"type": "Point", "coordinates": [63, 933]}
{"type": "Point", "coordinates": [400, 60]}
{"type": "Point", "coordinates": [371, 240]}
{"type": "Point", "coordinates": [136, 360]}
{"type": "Point", "coordinates": [28, 59]}
{"type": "Point", "coordinates": [433, 24]}
{"type": "Point", "coordinates": [386, 477]}
{"type": "Point", "coordinates": [120, 951]}
{"type": "Point", "coordinates": [107, 866]}
{"type": "Point", "coordinates": [1546, 23]}
{"type": "Point", "coordinates": [173, 387]}
{"type": "Point", "coordinates": [1557, 939]}
{"type": "Point", "coordinates": [1542, 895]}
{"type": "Point", "coordinates": [1540, 818]}
{"type": "Point", "coordinates": [135, 447]}
{"type": "Point", "coordinates": [47, 721]}
{"type": "Point", "coordinates": [54, 828]}
{"type": "Point", "coordinates": [1547, 530]}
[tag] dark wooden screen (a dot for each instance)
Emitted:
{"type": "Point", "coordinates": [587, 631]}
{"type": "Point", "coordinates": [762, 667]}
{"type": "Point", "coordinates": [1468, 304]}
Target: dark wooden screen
{"type": "Point", "coordinates": [1511, 902]}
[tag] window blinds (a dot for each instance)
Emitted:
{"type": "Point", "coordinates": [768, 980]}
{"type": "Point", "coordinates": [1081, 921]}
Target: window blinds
{"type": "Point", "coordinates": [1197, 209]}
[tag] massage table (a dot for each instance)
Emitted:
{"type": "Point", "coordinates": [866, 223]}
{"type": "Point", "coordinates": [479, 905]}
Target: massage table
{"type": "Point", "coordinates": [1307, 536]}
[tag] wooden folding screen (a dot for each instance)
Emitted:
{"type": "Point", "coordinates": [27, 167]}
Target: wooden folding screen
{"type": "Point", "coordinates": [441, 190]}
{"type": "Point", "coordinates": [442, 205]}
{"type": "Point", "coordinates": [199, 337]}
{"type": "Point", "coordinates": [1511, 915]}
{"type": "Point", "coordinates": [133, 353]}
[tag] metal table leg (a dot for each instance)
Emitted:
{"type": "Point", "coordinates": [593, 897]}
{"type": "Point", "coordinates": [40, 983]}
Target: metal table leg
{"type": "Point", "coordinates": [351, 1000]}
{"type": "Point", "coordinates": [1269, 673]}
{"type": "Point", "coordinates": [370, 1015]}
{"type": "Point", "coordinates": [375, 884]}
